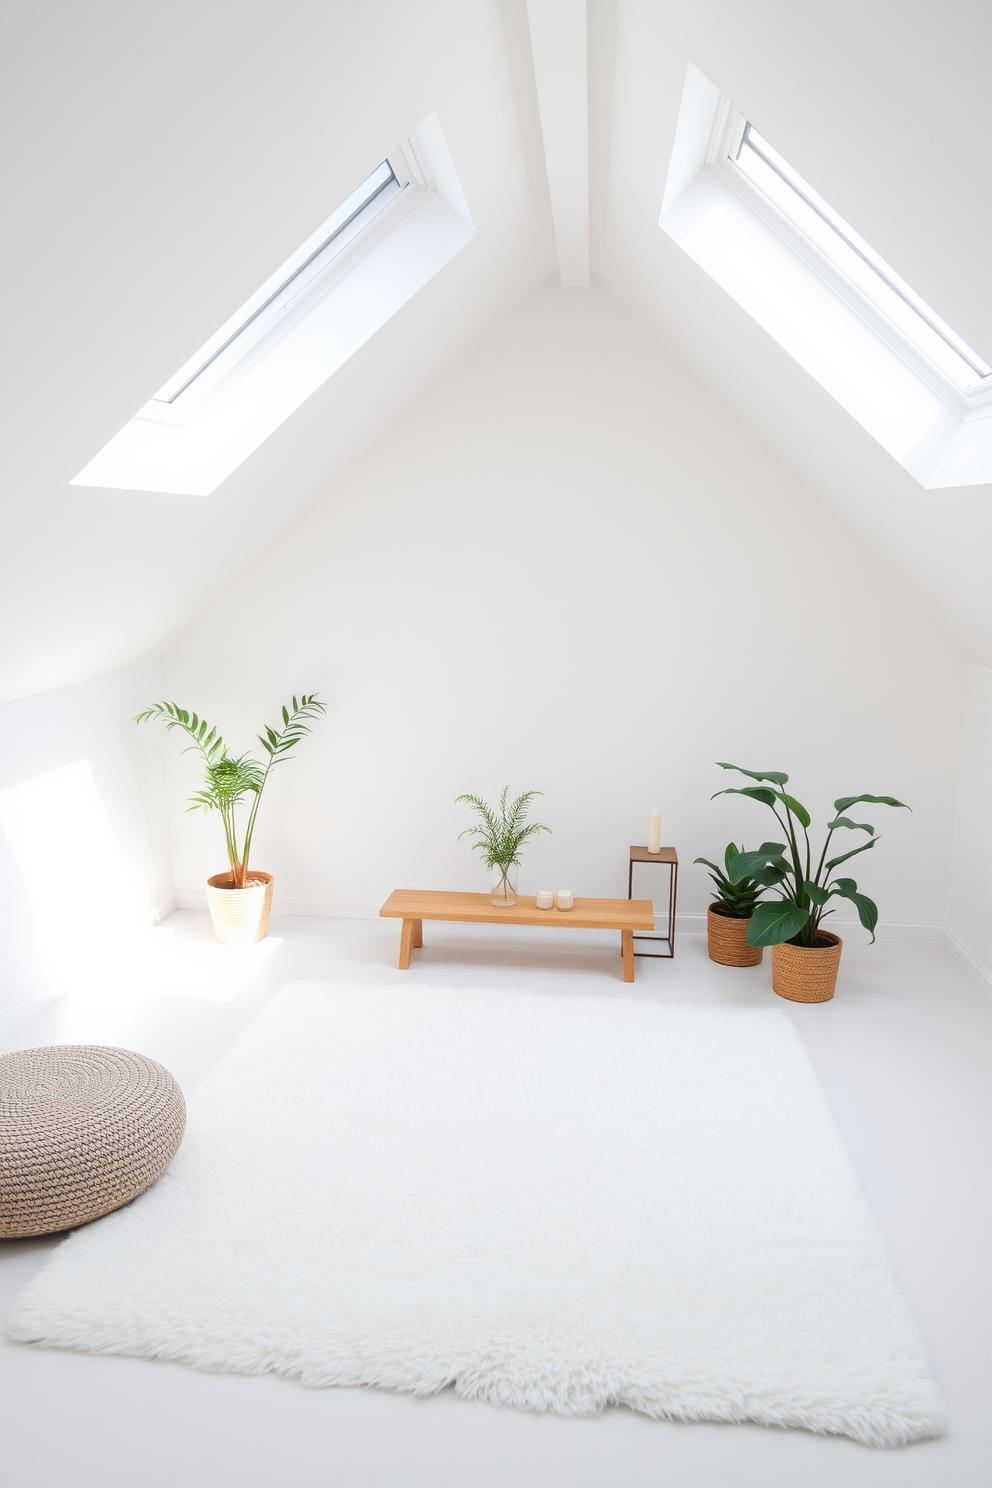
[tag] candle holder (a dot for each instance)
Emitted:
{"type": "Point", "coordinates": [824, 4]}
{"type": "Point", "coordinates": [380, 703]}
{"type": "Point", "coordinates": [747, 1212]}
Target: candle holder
{"type": "Point", "coordinates": [544, 899]}
{"type": "Point", "coordinates": [564, 899]}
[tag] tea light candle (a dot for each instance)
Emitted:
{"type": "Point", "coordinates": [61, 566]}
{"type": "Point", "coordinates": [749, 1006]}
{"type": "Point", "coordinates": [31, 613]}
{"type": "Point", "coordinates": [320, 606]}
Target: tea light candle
{"type": "Point", "coordinates": [565, 900]}
{"type": "Point", "coordinates": [545, 898]}
{"type": "Point", "coordinates": [654, 830]}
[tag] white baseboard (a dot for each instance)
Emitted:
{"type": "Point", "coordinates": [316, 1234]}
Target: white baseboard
{"type": "Point", "coordinates": [978, 972]}
{"type": "Point", "coordinates": [688, 922]}
{"type": "Point", "coordinates": [892, 932]}
{"type": "Point", "coordinates": [164, 907]}
{"type": "Point", "coordinates": [28, 1007]}
{"type": "Point", "coordinates": [328, 909]}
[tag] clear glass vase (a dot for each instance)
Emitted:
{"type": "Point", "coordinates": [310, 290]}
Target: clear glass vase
{"type": "Point", "coordinates": [503, 885]}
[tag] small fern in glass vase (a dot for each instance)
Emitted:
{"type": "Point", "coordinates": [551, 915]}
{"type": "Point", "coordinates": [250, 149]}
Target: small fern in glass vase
{"type": "Point", "coordinates": [500, 833]}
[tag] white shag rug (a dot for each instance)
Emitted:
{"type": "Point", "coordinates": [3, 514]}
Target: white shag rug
{"type": "Point", "coordinates": [554, 1203]}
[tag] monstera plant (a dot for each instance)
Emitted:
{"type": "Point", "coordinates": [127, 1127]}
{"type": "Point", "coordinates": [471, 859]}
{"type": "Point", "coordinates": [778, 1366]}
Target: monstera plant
{"type": "Point", "coordinates": [803, 885]}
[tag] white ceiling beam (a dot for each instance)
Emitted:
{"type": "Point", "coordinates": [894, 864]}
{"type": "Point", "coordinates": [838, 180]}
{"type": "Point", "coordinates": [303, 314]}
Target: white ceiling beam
{"type": "Point", "coordinates": [558, 30]}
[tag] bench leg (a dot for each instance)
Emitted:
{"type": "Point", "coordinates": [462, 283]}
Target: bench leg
{"type": "Point", "coordinates": [418, 934]}
{"type": "Point", "coordinates": [407, 937]}
{"type": "Point", "coordinates": [627, 947]}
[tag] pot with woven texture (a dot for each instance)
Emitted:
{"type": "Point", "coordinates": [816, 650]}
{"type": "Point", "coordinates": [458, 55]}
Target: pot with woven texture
{"type": "Point", "coordinates": [240, 915]}
{"type": "Point", "coordinates": [729, 916]}
{"type": "Point", "coordinates": [726, 938]}
{"type": "Point", "coordinates": [807, 973]}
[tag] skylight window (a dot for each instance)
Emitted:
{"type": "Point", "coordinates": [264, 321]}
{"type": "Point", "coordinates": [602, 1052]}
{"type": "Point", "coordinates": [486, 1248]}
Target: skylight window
{"type": "Point", "coordinates": [859, 262]}
{"type": "Point", "coordinates": [771, 242]}
{"type": "Point", "coordinates": [373, 253]}
{"type": "Point", "coordinates": [308, 264]}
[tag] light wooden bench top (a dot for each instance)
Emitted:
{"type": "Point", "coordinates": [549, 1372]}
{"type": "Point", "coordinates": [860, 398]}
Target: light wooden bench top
{"type": "Point", "coordinates": [413, 906]}
{"type": "Point", "coordinates": [588, 914]}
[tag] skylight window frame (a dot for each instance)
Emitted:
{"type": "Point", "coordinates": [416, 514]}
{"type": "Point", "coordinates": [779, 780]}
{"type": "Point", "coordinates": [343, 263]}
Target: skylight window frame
{"type": "Point", "coordinates": [725, 143]}
{"type": "Point", "coordinates": [244, 345]}
{"type": "Point", "coordinates": [161, 449]}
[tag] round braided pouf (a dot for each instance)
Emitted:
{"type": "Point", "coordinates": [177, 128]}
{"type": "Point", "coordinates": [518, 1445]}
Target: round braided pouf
{"type": "Point", "coordinates": [83, 1130]}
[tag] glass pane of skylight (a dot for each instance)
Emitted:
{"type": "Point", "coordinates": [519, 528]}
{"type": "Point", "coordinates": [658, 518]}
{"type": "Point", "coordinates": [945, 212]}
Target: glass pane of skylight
{"type": "Point", "coordinates": [299, 270]}
{"type": "Point", "coordinates": [858, 261]}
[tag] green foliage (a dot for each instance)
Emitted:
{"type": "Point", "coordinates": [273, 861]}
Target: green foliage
{"type": "Point", "coordinates": [788, 866]}
{"type": "Point", "coordinates": [229, 779]}
{"type": "Point", "coordinates": [736, 899]}
{"type": "Point", "coordinates": [501, 831]}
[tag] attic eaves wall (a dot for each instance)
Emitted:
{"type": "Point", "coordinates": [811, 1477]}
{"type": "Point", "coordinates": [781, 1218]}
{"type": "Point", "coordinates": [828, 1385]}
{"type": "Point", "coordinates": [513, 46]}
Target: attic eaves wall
{"type": "Point", "coordinates": [571, 568]}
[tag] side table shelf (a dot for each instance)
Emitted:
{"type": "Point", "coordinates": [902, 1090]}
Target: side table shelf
{"type": "Point", "coordinates": [670, 859]}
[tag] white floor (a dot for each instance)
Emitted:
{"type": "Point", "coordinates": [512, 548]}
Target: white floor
{"type": "Point", "coordinates": [903, 1053]}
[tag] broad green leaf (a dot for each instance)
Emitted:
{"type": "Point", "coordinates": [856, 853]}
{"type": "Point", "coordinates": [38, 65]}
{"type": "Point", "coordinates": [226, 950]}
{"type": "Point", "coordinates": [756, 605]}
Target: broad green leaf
{"type": "Point", "coordinates": [835, 862]}
{"type": "Point", "coordinates": [845, 821]}
{"type": "Point", "coordinates": [818, 895]}
{"type": "Point", "coordinates": [776, 921]}
{"type": "Point", "coordinates": [756, 792]}
{"type": "Point", "coordinates": [867, 909]}
{"type": "Point", "coordinates": [773, 874]}
{"type": "Point", "coordinates": [731, 853]}
{"type": "Point", "coordinates": [847, 801]}
{"type": "Point", "coordinates": [796, 807]}
{"type": "Point", "coordinates": [776, 775]}
{"type": "Point", "coordinates": [749, 864]}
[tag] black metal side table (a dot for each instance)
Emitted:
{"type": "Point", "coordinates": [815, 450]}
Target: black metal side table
{"type": "Point", "coordinates": [670, 858]}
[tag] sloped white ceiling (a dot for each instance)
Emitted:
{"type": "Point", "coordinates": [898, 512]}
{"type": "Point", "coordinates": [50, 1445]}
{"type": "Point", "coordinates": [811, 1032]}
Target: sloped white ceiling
{"type": "Point", "coordinates": [883, 106]}
{"type": "Point", "coordinates": [163, 161]}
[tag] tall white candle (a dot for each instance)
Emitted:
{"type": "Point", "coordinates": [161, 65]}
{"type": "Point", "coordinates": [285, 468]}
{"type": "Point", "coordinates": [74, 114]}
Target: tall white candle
{"type": "Point", "coordinates": [654, 830]}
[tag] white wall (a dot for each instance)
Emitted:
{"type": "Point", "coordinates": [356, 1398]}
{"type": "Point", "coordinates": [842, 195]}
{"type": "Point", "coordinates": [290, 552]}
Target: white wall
{"type": "Point", "coordinates": [90, 722]}
{"type": "Point", "coordinates": [572, 569]}
{"type": "Point", "coordinates": [968, 914]}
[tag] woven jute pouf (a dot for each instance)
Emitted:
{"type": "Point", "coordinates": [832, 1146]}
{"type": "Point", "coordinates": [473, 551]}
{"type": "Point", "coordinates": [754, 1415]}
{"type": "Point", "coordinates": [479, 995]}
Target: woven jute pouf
{"type": "Point", "coordinates": [726, 940]}
{"type": "Point", "coordinates": [83, 1130]}
{"type": "Point", "coordinates": [807, 973]}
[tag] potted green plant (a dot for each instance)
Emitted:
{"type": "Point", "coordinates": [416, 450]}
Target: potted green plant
{"type": "Point", "coordinates": [805, 957]}
{"type": "Point", "coordinates": [240, 899]}
{"type": "Point", "coordinates": [500, 834]}
{"type": "Point", "coordinates": [729, 916]}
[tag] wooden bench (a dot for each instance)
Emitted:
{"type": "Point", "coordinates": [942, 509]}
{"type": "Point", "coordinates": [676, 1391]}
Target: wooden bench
{"type": "Point", "coordinates": [414, 906]}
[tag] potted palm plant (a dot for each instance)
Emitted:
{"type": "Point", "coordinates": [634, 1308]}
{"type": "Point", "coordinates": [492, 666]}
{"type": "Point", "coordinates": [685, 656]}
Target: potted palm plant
{"type": "Point", "coordinates": [728, 918]}
{"type": "Point", "coordinates": [500, 834]}
{"type": "Point", "coordinates": [240, 899]}
{"type": "Point", "coordinates": [805, 957]}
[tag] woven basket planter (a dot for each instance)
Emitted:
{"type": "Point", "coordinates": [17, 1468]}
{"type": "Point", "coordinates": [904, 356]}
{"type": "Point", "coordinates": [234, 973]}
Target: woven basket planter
{"type": "Point", "coordinates": [807, 973]}
{"type": "Point", "coordinates": [240, 915]}
{"type": "Point", "coordinates": [726, 939]}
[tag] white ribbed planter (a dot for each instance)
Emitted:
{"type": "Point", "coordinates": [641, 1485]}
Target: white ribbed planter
{"type": "Point", "coordinates": [239, 915]}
